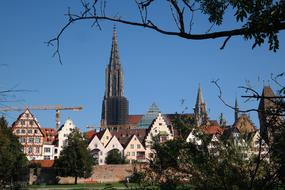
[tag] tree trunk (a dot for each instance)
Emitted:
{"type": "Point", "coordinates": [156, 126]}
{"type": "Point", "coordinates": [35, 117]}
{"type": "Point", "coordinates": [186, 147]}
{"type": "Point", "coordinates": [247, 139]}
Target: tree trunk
{"type": "Point", "coordinates": [75, 180]}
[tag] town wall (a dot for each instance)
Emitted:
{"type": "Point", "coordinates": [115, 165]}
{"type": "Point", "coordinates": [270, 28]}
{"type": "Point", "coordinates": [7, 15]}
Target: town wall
{"type": "Point", "coordinates": [101, 174]}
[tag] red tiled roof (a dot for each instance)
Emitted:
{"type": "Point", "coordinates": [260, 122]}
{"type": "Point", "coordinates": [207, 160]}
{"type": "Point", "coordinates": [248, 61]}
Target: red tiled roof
{"type": "Point", "coordinates": [134, 119]}
{"type": "Point", "coordinates": [44, 163]}
{"type": "Point", "coordinates": [90, 134]}
{"type": "Point", "coordinates": [49, 135]}
{"type": "Point", "coordinates": [212, 130]}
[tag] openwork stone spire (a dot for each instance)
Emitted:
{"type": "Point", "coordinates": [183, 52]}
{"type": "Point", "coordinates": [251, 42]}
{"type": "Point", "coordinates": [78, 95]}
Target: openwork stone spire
{"type": "Point", "coordinates": [114, 73]}
{"type": "Point", "coordinates": [114, 57]}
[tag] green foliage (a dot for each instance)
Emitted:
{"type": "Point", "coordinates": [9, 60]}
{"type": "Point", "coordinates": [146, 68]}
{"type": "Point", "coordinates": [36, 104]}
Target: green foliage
{"type": "Point", "coordinates": [278, 146]}
{"type": "Point", "coordinates": [184, 124]}
{"type": "Point", "coordinates": [137, 177]}
{"type": "Point", "coordinates": [114, 157]}
{"type": "Point", "coordinates": [226, 166]}
{"type": "Point", "coordinates": [12, 160]}
{"type": "Point", "coordinates": [261, 19]}
{"type": "Point", "coordinates": [75, 159]}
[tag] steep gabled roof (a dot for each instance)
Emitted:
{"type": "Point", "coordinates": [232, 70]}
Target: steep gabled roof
{"type": "Point", "coordinates": [101, 133]}
{"type": "Point", "coordinates": [34, 119]}
{"type": "Point", "coordinates": [212, 130]}
{"type": "Point", "coordinates": [89, 135]}
{"type": "Point", "coordinates": [244, 125]}
{"type": "Point", "coordinates": [124, 135]}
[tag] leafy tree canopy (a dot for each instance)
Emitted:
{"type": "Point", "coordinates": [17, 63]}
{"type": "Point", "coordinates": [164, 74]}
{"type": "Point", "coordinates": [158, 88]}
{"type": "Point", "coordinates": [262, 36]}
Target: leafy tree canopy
{"type": "Point", "coordinates": [259, 20]}
{"type": "Point", "coordinates": [75, 159]}
{"type": "Point", "coordinates": [115, 157]}
{"type": "Point", "coordinates": [12, 159]}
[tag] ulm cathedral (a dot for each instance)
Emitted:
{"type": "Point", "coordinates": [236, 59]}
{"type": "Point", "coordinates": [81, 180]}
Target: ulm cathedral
{"type": "Point", "coordinates": [115, 106]}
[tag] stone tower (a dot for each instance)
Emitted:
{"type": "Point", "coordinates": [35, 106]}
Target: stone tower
{"type": "Point", "coordinates": [115, 107]}
{"type": "Point", "coordinates": [268, 121]}
{"type": "Point", "coordinates": [200, 111]}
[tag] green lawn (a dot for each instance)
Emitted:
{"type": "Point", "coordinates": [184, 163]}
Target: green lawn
{"type": "Point", "coordinates": [89, 186]}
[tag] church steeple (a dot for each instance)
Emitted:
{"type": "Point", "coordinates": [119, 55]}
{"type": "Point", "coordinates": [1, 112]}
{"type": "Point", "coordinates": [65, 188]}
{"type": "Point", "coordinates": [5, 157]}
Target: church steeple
{"type": "Point", "coordinates": [114, 57]}
{"type": "Point", "coordinates": [115, 106]}
{"type": "Point", "coordinates": [114, 73]}
{"type": "Point", "coordinates": [200, 99]}
{"type": "Point", "coordinates": [200, 111]}
{"type": "Point", "coordinates": [236, 109]}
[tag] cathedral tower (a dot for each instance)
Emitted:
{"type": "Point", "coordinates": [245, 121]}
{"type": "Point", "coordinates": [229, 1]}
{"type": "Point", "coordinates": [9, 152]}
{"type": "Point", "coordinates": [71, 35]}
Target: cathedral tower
{"type": "Point", "coordinates": [115, 107]}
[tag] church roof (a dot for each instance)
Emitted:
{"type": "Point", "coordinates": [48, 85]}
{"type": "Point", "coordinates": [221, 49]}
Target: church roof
{"type": "Point", "coordinates": [244, 125]}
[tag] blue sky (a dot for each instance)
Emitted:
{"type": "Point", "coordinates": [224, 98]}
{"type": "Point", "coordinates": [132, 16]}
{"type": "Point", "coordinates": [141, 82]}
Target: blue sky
{"type": "Point", "coordinates": [158, 68]}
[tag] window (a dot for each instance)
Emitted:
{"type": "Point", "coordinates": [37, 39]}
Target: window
{"type": "Point", "coordinates": [101, 153]}
{"type": "Point", "coordinates": [30, 149]}
{"type": "Point", "coordinates": [107, 137]}
{"type": "Point", "coordinates": [55, 150]}
{"type": "Point", "coordinates": [160, 124]}
{"type": "Point", "coordinates": [37, 149]}
{"type": "Point", "coordinates": [47, 149]}
{"type": "Point", "coordinates": [138, 146]}
{"type": "Point", "coordinates": [132, 146]}
{"type": "Point", "coordinates": [46, 157]}
{"type": "Point", "coordinates": [31, 140]}
{"type": "Point", "coordinates": [128, 153]}
{"type": "Point", "coordinates": [27, 115]}
{"type": "Point", "coordinates": [22, 140]}
{"type": "Point", "coordinates": [30, 131]}
{"type": "Point", "coordinates": [35, 131]}
{"type": "Point", "coordinates": [133, 153]}
{"type": "Point", "coordinates": [18, 131]}
{"type": "Point", "coordinates": [101, 160]}
{"type": "Point", "coordinates": [65, 135]}
{"type": "Point", "coordinates": [37, 140]}
{"type": "Point", "coordinates": [31, 122]}
{"type": "Point", "coordinates": [22, 122]}
{"type": "Point", "coordinates": [113, 146]}
{"type": "Point", "coordinates": [23, 131]}
{"type": "Point", "coordinates": [96, 145]}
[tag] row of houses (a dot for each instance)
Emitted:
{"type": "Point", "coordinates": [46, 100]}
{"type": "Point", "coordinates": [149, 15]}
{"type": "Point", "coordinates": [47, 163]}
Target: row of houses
{"type": "Point", "coordinates": [135, 143]}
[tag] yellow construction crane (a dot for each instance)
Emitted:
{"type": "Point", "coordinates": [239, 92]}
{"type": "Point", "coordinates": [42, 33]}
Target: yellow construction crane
{"type": "Point", "coordinates": [57, 109]}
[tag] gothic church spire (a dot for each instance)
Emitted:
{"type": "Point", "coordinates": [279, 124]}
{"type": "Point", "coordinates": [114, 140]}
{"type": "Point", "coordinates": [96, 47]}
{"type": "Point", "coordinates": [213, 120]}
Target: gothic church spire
{"type": "Point", "coordinates": [114, 56]}
{"type": "Point", "coordinates": [115, 107]}
{"type": "Point", "coordinates": [200, 111]}
{"type": "Point", "coordinates": [236, 110]}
